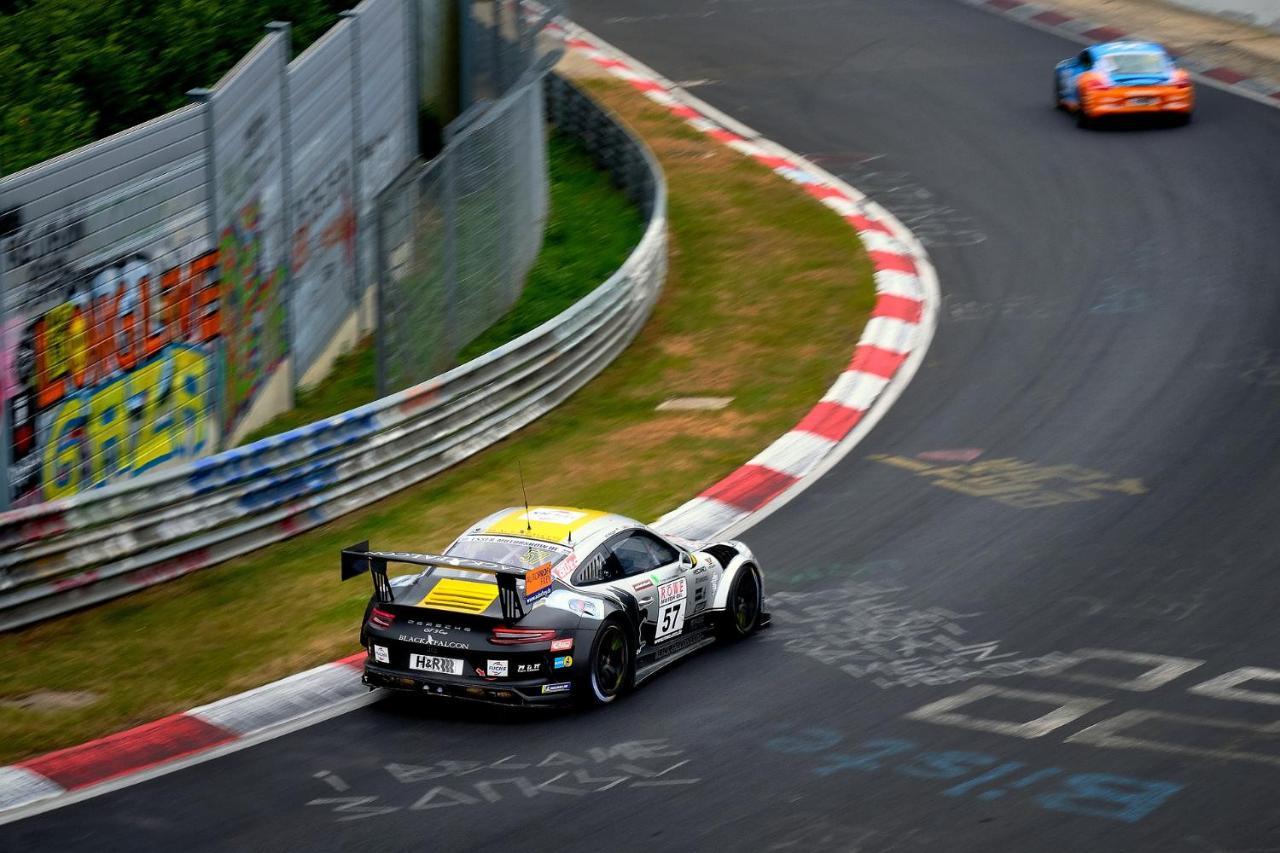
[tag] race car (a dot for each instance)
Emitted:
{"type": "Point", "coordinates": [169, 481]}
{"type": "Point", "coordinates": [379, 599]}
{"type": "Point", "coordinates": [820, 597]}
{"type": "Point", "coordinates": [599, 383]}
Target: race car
{"type": "Point", "coordinates": [1123, 77]}
{"type": "Point", "coordinates": [550, 605]}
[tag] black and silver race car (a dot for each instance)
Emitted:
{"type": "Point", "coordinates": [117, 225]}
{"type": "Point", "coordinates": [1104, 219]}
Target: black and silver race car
{"type": "Point", "coordinates": [551, 604]}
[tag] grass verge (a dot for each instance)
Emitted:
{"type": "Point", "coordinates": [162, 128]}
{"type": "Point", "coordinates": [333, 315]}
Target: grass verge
{"type": "Point", "coordinates": [591, 229]}
{"type": "Point", "coordinates": [766, 295]}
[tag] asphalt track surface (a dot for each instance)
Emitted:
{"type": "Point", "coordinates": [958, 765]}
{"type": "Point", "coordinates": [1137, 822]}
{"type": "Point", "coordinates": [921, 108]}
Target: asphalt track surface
{"type": "Point", "coordinates": [1111, 303]}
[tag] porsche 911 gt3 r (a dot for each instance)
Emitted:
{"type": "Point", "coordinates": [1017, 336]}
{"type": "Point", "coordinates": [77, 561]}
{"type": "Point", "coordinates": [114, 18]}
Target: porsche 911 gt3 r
{"type": "Point", "coordinates": [1122, 77]}
{"type": "Point", "coordinates": [550, 604]}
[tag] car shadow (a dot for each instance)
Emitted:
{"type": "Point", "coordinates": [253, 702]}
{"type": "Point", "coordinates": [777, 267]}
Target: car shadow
{"type": "Point", "coordinates": [1136, 123]}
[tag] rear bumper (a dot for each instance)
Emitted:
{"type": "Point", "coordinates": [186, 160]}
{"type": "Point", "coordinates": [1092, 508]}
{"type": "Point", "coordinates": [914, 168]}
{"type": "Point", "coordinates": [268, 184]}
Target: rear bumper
{"type": "Point", "coordinates": [527, 693]}
{"type": "Point", "coordinates": [1119, 101]}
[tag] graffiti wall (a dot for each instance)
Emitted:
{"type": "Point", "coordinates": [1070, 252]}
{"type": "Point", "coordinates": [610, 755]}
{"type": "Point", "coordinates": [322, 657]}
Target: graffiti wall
{"type": "Point", "coordinates": [112, 313]}
{"type": "Point", "coordinates": [152, 283]}
{"type": "Point", "coordinates": [252, 292]}
{"type": "Point", "coordinates": [251, 185]}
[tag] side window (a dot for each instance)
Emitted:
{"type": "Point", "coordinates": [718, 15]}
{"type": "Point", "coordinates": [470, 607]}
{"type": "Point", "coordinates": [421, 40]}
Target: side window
{"type": "Point", "coordinates": [635, 555]}
{"type": "Point", "coordinates": [1086, 60]}
{"type": "Point", "coordinates": [664, 553]}
{"type": "Point", "coordinates": [602, 566]}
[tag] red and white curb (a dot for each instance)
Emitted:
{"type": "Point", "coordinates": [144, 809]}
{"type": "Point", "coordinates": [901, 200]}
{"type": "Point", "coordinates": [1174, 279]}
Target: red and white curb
{"type": "Point", "coordinates": [153, 749]}
{"type": "Point", "coordinates": [888, 354]}
{"type": "Point", "coordinates": [1085, 31]}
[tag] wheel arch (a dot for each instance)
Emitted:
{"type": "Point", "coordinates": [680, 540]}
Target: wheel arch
{"type": "Point", "coordinates": [741, 562]}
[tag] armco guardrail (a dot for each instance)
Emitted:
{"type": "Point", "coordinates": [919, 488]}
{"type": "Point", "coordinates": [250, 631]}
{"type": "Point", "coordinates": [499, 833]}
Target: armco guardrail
{"type": "Point", "coordinates": [96, 545]}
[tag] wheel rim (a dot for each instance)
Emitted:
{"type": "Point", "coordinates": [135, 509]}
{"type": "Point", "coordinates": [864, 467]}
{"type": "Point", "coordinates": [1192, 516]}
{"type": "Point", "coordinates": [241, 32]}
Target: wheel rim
{"type": "Point", "coordinates": [746, 603]}
{"type": "Point", "coordinates": [611, 661]}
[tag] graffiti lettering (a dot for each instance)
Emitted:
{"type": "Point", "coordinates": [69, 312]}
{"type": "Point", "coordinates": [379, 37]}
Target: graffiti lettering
{"type": "Point", "coordinates": [253, 310]}
{"type": "Point", "coordinates": [129, 424]}
{"type": "Point", "coordinates": [113, 376]}
{"type": "Point", "coordinates": [44, 249]}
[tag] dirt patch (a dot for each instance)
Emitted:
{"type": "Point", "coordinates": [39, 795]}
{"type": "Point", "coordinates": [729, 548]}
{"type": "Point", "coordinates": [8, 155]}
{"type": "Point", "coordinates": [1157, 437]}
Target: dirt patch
{"type": "Point", "coordinates": [51, 701]}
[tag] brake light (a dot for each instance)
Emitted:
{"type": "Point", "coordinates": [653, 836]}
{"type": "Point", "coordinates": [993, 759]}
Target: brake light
{"type": "Point", "coordinates": [381, 618]}
{"type": "Point", "coordinates": [521, 636]}
{"type": "Point", "coordinates": [1182, 80]}
{"type": "Point", "coordinates": [1093, 84]}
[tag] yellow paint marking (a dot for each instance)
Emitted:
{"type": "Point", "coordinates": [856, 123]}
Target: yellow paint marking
{"type": "Point", "coordinates": [1019, 484]}
{"type": "Point", "coordinates": [460, 596]}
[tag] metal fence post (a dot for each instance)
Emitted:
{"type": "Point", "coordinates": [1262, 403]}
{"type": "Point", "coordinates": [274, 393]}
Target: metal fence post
{"type": "Point", "coordinates": [381, 272]}
{"type": "Point", "coordinates": [412, 95]}
{"type": "Point", "coordinates": [5, 405]}
{"type": "Point", "coordinates": [284, 30]}
{"type": "Point", "coordinates": [466, 55]}
{"type": "Point", "coordinates": [353, 27]}
{"type": "Point", "coordinates": [204, 97]}
{"type": "Point", "coordinates": [451, 160]}
{"type": "Point", "coordinates": [499, 56]}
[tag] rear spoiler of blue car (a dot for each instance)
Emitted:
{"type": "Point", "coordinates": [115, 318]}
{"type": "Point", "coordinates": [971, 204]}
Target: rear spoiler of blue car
{"type": "Point", "coordinates": [358, 559]}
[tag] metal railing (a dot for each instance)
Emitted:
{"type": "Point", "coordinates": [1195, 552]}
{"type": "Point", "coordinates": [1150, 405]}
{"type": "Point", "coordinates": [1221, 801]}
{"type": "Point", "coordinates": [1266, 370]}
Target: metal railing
{"type": "Point", "coordinates": [66, 554]}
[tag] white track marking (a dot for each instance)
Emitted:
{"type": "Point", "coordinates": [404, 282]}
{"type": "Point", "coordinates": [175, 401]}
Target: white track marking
{"type": "Point", "coordinates": [1108, 734]}
{"type": "Point", "coordinates": [1157, 670]}
{"type": "Point", "coordinates": [1065, 709]}
{"type": "Point", "coordinates": [1225, 686]}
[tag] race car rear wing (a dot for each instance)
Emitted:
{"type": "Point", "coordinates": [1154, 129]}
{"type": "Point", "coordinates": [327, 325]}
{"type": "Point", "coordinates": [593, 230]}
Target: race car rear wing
{"type": "Point", "coordinates": [358, 559]}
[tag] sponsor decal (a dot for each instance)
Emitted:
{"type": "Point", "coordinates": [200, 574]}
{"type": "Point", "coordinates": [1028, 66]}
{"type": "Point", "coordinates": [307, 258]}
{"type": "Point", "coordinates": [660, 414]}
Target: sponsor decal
{"type": "Point", "coordinates": [582, 606]}
{"type": "Point", "coordinates": [563, 644]}
{"type": "Point", "coordinates": [564, 570]}
{"type": "Point", "coordinates": [641, 586]}
{"type": "Point", "coordinates": [673, 591]}
{"type": "Point", "coordinates": [526, 668]}
{"type": "Point", "coordinates": [381, 655]}
{"type": "Point", "coordinates": [554, 516]}
{"type": "Point", "coordinates": [563, 662]}
{"type": "Point", "coordinates": [432, 663]}
{"type": "Point", "coordinates": [496, 669]}
{"type": "Point", "coordinates": [537, 583]}
{"type": "Point", "coordinates": [671, 602]}
{"type": "Point", "coordinates": [676, 647]}
{"type": "Point", "coordinates": [430, 640]}
{"type": "Point", "coordinates": [436, 627]}
{"type": "Point", "coordinates": [561, 687]}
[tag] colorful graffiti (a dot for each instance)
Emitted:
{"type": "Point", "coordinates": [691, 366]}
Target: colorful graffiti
{"type": "Point", "coordinates": [112, 375]}
{"type": "Point", "coordinates": [253, 312]}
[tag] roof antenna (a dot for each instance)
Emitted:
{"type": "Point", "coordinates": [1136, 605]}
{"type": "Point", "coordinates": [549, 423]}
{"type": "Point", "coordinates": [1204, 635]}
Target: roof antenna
{"type": "Point", "coordinates": [528, 523]}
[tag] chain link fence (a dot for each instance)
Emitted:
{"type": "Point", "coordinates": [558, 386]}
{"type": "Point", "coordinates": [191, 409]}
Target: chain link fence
{"type": "Point", "coordinates": [458, 234]}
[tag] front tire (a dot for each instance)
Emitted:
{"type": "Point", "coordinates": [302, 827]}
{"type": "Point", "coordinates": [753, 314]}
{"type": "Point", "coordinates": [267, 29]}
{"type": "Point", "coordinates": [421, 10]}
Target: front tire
{"type": "Point", "coordinates": [611, 664]}
{"type": "Point", "coordinates": [742, 611]}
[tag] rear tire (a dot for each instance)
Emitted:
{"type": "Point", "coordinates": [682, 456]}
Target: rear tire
{"type": "Point", "coordinates": [610, 666]}
{"type": "Point", "coordinates": [1182, 119]}
{"type": "Point", "coordinates": [742, 611]}
{"type": "Point", "coordinates": [1083, 121]}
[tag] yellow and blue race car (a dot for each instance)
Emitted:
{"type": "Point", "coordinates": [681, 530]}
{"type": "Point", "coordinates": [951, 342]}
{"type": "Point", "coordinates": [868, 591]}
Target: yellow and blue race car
{"type": "Point", "coordinates": [1123, 78]}
{"type": "Point", "coordinates": [550, 604]}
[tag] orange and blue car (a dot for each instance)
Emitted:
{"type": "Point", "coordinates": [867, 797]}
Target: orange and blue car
{"type": "Point", "coordinates": [1123, 78]}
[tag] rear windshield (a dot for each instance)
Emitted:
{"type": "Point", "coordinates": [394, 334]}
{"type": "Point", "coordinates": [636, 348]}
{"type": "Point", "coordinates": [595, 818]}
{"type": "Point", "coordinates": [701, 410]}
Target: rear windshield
{"type": "Point", "coordinates": [508, 550]}
{"type": "Point", "coordinates": [1135, 63]}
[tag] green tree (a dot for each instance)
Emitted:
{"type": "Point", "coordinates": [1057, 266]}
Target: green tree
{"type": "Point", "coordinates": [80, 70]}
